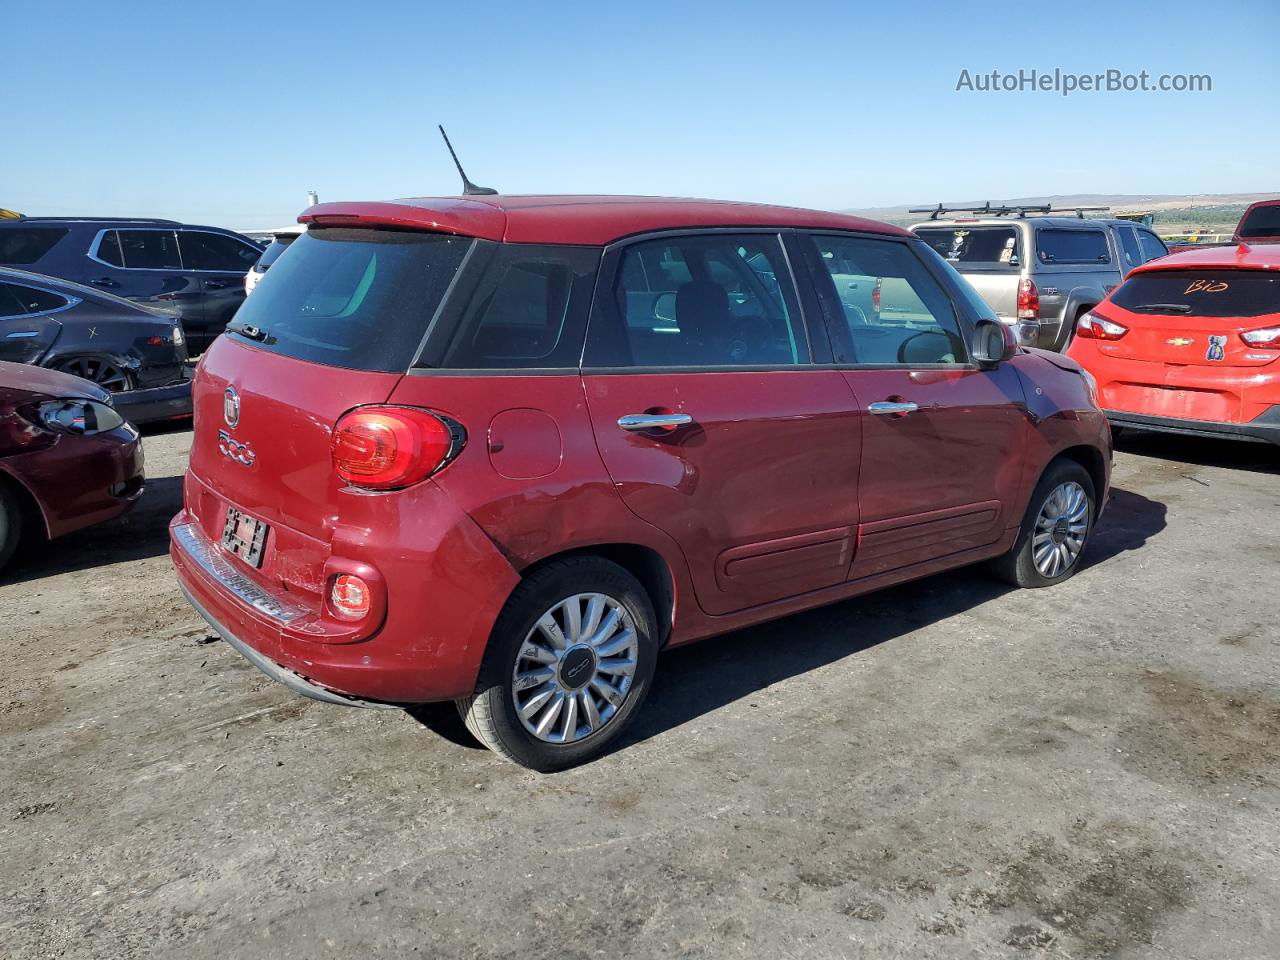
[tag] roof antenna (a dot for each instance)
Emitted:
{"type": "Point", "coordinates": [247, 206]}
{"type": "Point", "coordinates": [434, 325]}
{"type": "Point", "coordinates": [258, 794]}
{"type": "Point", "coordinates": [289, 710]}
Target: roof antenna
{"type": "Point", "coordinates": [469, 189]}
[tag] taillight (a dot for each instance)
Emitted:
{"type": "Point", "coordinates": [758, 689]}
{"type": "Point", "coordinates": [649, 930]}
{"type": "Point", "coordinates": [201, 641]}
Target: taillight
{"type": "Point", "coordinates": [350, 597]}
{"type": "Point", "coordinates": [1266, 337]}
{"type": "Point", "coordinates": [1028, 299]}
{"type": "Point", "coordinates": [387, 447]}
{"type": "Point", "coordinates": [875, 296]}
{"type": "Point", "coordinates": [1092, 326]}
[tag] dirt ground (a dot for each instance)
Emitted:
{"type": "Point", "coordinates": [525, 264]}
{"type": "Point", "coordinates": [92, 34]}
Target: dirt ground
{"type": "Point", "coordinates": [946, 769]}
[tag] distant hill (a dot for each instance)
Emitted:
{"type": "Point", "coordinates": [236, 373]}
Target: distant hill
{"type": "Point", "coordinates": [1175, 213]}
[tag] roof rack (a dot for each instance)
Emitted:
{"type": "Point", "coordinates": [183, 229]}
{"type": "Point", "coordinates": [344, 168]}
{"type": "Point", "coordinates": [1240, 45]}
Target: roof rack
{"type": "Point", "coordinates": [173, 223]}
{"type": "Point", "coordinates": [1004, 210]}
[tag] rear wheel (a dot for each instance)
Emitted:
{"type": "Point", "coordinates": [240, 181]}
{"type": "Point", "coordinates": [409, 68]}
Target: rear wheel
{"type": "Point", "coordinates": [10, 525]}
{"type": "Point", "coordinates": [569, 662]}
{"type": "Point", "coordinates": [99, 370]}
{"type": "Point", "coordinates": [1055, 529]}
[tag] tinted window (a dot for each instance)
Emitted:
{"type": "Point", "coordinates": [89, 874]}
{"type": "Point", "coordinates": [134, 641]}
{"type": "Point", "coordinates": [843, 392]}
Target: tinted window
{"type": "Point", "coordinates": [703, 301]}
{"type": "Point", "coordinates": [361, 299]}
{"type": "Point", "coordinates": [109, 249]}
{"type": "Point", "coordinates": [269, 256]}
{"type": "Point", "coordinates": [1261, 222]}
{"type": "Point", "coordinates": [528, 311]}
{"type": "Point", "coordinates": [891, 309]}
{"type": "Point", "coordinates": [35, 301]}
{"type": "Point", "coordinates": [1072, 246]}
{"type": "Point", "coordinates": [987, 248]}
{"type": "Point", "coordinates": [148, 249]}
{"type": "Point", "coordinates": [215, 251]}
{"type": "Point", "coordinates": [1129, 245]}
{"type": "Point", "coordinates": [1197, 293]}
{"type": "Point", "coordinates": [26, 245]}
{"type": "Point", "coordinates": [1153, 247]}
{"type": "Point", "coordinates": [10, 305]}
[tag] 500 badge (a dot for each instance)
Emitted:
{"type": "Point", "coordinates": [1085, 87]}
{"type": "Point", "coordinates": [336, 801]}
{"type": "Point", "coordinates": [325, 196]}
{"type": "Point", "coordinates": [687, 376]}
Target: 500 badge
{"type": "Point", "coordinates": [233, 449]}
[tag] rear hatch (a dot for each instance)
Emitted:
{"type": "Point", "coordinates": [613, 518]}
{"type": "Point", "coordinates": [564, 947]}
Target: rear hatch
{"type": "Point", "coordinates": [1184, 331]}
{"type": "Point", "coordinates": [332, 326]}
{"type": "Point", "coordinates": [989, 255]}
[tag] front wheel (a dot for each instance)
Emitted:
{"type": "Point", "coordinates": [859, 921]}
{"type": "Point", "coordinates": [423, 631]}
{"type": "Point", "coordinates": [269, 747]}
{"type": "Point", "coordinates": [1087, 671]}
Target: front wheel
{"type": "Point", "coordinates": [1055, 529]}
{"type": "Point", "coordinates": [569, 662]}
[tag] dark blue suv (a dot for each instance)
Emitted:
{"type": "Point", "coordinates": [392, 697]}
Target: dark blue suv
{"type": "Point", "coordinates": [199, 271]}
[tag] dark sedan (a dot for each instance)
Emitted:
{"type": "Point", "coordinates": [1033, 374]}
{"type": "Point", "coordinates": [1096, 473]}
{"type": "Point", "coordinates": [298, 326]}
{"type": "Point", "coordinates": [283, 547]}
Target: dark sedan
{"type": "Point", "coordinates": [67, 458]}
{"type": "Point", "coordinates": [134, 350]}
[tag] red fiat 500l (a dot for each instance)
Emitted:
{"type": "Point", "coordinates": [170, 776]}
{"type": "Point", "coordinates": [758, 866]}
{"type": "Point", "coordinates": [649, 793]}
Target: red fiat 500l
{"type": "Point", "coordinates": [501, 450]}
{"type": "Point", "coordinates": [1189, 344]}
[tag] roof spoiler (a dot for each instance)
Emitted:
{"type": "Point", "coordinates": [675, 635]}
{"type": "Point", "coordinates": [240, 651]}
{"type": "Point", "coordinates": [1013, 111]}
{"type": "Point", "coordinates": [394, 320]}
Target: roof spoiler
{"type": "Point", "coordinates": [1005, 210]}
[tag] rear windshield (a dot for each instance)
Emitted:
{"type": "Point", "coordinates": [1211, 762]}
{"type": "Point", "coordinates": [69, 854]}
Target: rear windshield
{"type": "Point", "coordinates": [26, 245]}
{"type": "Point", "coordinates": [985, 248]}
{"type": "Point", "coordinates": [1199, 293]}
{"type": "Point", "coordinates": [1072, 246]}
{"type": "Point", "coordinates": [273, 251]}
{"type": "Point", "coordinates": [1261, 223]}
{"type": "Point", "coordinates": [360, 299]}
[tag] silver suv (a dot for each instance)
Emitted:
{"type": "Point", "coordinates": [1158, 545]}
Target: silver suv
{"type": "Point", "coordinates": [1039, 271]}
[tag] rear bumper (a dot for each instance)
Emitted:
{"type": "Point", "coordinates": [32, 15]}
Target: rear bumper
{"type": "Point", "coordinates": [150, 404]}
{"type": "Point", "coordinates": [1263, 429]}
{"type": "Point", "coordinates": [440, 608]}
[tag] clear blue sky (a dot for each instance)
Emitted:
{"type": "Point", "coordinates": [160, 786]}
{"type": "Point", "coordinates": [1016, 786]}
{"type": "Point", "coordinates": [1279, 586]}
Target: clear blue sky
{"type": "Point", "coordinates": [228, 113]}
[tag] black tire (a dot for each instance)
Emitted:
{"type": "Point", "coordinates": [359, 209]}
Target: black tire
{"type": "Point", "coordinates": [1018, 566]}
{"type": "Point", "coordinates": [10, 525]}
{"type": "Point", "coordinates": [490, 713]}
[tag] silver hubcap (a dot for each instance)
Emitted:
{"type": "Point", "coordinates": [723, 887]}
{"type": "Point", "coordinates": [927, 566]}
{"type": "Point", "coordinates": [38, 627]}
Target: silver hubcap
{"type": "Point", "coordinates": [575, 668]}
{"type": "Point", "coordinates": [1061, 528]}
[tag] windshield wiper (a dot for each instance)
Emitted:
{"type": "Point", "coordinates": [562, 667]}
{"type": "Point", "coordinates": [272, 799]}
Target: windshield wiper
{"type": "Point", "coordinates": [1163, 308]}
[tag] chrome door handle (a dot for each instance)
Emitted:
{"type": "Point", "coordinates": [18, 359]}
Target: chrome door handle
{"type": "Point", "coordinates": [889, 406]}
{"type": "Point", "coordinates": [654, 421]}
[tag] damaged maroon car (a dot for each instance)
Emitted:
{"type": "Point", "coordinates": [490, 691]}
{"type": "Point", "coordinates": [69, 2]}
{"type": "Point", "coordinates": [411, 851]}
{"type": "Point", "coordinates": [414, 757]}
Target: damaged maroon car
{"type": "Point", "coordinates": [67, 458]}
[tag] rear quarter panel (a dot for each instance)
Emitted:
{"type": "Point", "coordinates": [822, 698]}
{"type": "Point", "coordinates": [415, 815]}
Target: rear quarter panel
{"type": "Point", "coordinates": [530, 475]}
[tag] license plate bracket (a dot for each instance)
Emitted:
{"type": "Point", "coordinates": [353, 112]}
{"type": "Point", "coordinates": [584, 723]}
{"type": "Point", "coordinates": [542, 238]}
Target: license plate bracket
{"type": "Point", "coordinates": [244, 536]}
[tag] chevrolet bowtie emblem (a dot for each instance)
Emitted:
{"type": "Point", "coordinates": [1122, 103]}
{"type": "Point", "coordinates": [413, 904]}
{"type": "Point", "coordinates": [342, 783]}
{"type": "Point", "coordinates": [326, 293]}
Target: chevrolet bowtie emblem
{"type": "Point", "coordinates": [1179, 341]}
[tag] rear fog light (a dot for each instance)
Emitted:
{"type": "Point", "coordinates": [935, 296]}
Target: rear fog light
{"type": "Point", "coordinates": [350, 597]}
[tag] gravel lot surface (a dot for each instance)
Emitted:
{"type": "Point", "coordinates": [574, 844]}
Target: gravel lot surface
{"type": "Point", "coordinates": [946, 769]}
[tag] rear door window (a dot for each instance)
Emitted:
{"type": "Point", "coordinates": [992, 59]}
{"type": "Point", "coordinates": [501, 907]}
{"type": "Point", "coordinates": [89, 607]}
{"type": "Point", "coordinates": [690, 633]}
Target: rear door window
{"type": "Point", "coordinates": [528, 311]}
{"type": "Point", "coordinates": [1072, 246]}
{"type": "Point", "coordinates": [980, 248]}
{"type": "Point", "coordinates": [1196, 293]}
{"type": "Point", "coordinates": [354, 298]}
{"type": "Point", "coordinates": [149, 249]}
{"type": "Point", "coordinates": [22, 246]}
{"type": "Point", "coordinates": [1153, 247]}
{"type": "Point", "coordinates": [215, 252]}
{"type": "Point", "coordinates": [892, 309]}
{"type": "Point", "coordinates": [1129, 245]}
{"type": "Point", "coordinates": [705, 300]}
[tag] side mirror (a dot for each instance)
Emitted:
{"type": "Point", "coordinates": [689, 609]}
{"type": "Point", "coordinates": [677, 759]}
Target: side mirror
{"type": "Point", "coordinates": [994, 343]}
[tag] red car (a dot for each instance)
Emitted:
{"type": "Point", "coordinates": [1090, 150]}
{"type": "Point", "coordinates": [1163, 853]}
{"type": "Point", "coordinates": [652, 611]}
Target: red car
{"type": "Point", "coordinates": [1190, 344]}
{"type": "Point", "coordinates": [501, 450]}
{"type": "Point", "coordinates": [67, 458]}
